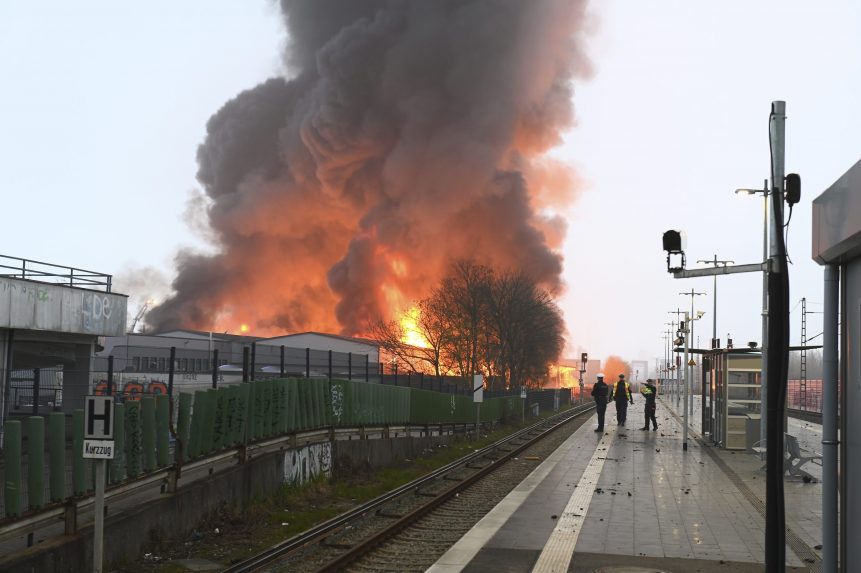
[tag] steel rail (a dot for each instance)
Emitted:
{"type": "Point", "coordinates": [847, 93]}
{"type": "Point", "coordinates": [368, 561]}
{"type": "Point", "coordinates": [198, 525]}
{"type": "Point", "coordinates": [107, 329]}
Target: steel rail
{"type": "Point", "coordinates": [335, 524]}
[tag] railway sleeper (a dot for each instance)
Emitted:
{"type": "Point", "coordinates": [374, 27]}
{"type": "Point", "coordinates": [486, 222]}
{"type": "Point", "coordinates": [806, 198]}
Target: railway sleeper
{"type": "Point", "coordinates": [384, 513]}
{"type": "Point", "coordinates": [453, 478]}
{"type": "Point", "coordinates": [421, 493]}
{"type": "Point", "coordinates": [337, 545]}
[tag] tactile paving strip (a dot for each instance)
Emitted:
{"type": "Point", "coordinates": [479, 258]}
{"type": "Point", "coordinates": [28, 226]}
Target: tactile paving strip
{"type": "Point", "coordinates": [557, 553]}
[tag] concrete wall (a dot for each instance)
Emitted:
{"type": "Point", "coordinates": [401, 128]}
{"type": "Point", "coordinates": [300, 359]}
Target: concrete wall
{"type": "Point", "coordinates": [174, 516]}
{"type": "Point", "coordinates": [33, 305]}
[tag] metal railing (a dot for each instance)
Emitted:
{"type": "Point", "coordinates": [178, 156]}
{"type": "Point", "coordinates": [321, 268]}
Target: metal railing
{"type": "Point", "coordinates": [16, 267]}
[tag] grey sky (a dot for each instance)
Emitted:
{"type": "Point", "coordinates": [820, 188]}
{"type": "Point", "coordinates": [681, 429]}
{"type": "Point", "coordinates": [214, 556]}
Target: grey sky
{"type": "Point", "coordinates": [103, 106]}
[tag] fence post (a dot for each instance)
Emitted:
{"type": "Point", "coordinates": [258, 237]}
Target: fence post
{"type": "Point", "coordinates": [367, 367]}
{"type": "Point", "coordinates": [253, 360]}
{"type": "Point", "coordinates": [215, 368]}
{"type": "Point", "coordinates": [245, 364]}
{"type": "Point", "coordinates": [396, 373]}
{"type": "Point", "coordinates": [330, 365]}
{"type": "Point", "coordinates": [170, 370]}
{"type": "Point", "coordinates": [111, 375]}
{"type": "Point", "coordinates": [350, 366]}
{"type": "Point", "coordinates": [307, 363]}
{"type": "Point", "coordinates": [36, 390]}
{"type": "Point", "coordinates": [282, 361]}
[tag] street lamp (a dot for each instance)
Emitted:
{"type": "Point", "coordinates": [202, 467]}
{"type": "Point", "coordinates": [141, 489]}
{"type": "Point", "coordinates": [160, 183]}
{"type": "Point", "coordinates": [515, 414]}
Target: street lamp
{"type": "Point", "coordinates": [763, 378]}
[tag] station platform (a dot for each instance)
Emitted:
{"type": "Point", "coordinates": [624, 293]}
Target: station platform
{"type": "Point", "coordinates": [633, 500]}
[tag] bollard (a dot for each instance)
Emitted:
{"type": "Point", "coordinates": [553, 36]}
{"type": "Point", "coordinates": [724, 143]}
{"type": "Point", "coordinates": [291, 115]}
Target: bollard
{"type": "Point", "coordinates": [133, 439]}
{"type": "Point", "coordinates": [36, 461]}
{"type": "Point", "coordinates": [79, 465]}
{"type": "Point", "coordinates": [183, 427]}
{"type": "Point", "coordinates": [57, 451]}
{"type": "Point", "coordinates": [148, 425]}
{"type": "Point", "coordinates": [162, 430]}
{"type": "Point", "coordinates": [12, 452]}
{"type": "Point", "coordinates": [117, 466]}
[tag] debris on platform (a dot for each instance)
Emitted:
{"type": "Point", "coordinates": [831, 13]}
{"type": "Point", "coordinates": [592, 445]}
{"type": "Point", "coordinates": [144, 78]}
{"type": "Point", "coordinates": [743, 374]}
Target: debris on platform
{"type": "Point", "coordinates": [531, 458]}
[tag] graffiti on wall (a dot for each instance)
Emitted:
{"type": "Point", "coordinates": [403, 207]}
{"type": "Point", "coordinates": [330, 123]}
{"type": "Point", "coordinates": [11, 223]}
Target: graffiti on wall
{"type": "Point", "coordinates": [304, 464]}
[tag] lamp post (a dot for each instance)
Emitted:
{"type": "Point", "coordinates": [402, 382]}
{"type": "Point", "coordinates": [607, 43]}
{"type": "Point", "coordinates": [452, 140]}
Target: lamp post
{"type": "Point", "coordinates": [763, 379]}
{"type": "Point", "coordinates": [716, 263]}
{"type": "Point", "coordinates": [679, 313]}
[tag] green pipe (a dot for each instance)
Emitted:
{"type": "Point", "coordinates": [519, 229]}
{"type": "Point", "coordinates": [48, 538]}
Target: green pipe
{"type": "Point", "coordinates": [79, 467]}
{"type": "Point", "coordinates": [148, 442]}
{"type": "Point", "coordinates": [183, 427]}
{"type": "Point", "coordinates": [133, 439]}
{"type": "Point", "coordinates": [117, 466]}
{"type": "Point", "coordinates": [12, 452]}
{"type": "Point", "coordinates": [162, 430]}
{"type": "Point", "coordinates": [57, 451]}
{"type": "Point", "coordinates": [36, 461]}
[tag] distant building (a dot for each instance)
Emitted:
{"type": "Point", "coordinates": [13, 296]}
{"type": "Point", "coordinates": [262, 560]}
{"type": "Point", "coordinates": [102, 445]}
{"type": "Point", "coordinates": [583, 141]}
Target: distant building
{"type": "Point", "coordinates": [325, 342]}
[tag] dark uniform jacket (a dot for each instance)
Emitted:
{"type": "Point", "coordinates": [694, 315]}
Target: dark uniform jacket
{"type": "Point", "coordinates": [600, 391]}
{"type": "Point", "coordinates": [649, 393]}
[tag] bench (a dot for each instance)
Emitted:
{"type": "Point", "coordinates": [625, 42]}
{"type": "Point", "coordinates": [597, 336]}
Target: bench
{"type": "Point", "coordinates": [793, 459]}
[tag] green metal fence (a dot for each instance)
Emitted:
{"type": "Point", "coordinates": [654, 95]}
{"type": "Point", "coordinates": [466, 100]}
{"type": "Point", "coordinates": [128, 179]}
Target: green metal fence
{"type": "Point", "coordinates": [209, 421]}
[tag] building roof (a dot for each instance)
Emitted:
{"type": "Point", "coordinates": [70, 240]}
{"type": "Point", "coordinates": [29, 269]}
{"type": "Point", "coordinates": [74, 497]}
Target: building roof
{"type": "Point", "coordinates": [222, 336]}
{"type": "Point", "coordinates": [357, 340]}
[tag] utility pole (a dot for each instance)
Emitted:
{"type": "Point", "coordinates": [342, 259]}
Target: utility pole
{"type": "Point", "coordinates": [679, 313]}
{"type": "Point", "coordinates": [716, 263]}
{"type": "Point", "coordinates": [690, 392]}
{"type": "Point", "coordinates": [686, 329]}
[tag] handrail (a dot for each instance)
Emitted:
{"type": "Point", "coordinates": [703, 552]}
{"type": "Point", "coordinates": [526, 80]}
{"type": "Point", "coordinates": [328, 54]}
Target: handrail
{"type": "Point", "coordinates": [72, 276]}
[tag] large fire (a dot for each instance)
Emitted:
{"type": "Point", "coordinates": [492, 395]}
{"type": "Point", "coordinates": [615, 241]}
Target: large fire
{"type": "Point", "coordinates": [408, 135]}
{"type": "Point", "coordinates": [409, 323]}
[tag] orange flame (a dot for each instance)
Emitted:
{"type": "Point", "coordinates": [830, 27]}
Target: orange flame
{"type": "Point", "coordinates": [409, 323]}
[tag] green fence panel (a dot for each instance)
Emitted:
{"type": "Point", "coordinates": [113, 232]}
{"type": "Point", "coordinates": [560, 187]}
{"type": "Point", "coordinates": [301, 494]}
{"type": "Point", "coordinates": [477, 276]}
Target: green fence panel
{"type": "Point", "coordinates": [57, 453]}
{"type": "Point", "coordinates": [219, 418]}
{"type": "Point", "coordinates": [283, 413]}
{"type": "Point", "coordinates": [12, 453]}
{"type": "Point", "coordinates": [231, 400]}
{"type": "Point", "coordinates": [36, 461]}
{"type": "Point", "coordinates": [162, 430]}
{"type": "Point", "coordinates": [293, 401]}
{"type": "Point", "coordinates": [183, 427]}
{"type": "Point", "coordinates": [195, 428]}
{"type": "Point", "coordinates": [266, 389]}
{"type": "Point", "coordinates": [207, 435]}
{"type": "Point", "coordinates": [117, 466]}
{"type": "Point", "coordinates": [242, 408]}
{"type": "Point", "coordinates": [133, 439]}
{"type": "Point", "coordinates": [148, 425]}
{"type": "Point", "coordinates": [79, 465]}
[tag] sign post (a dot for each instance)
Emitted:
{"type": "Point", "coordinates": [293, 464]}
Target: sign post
{"type": "Point", "coordinates": [99, 445]}
{"type": "Point", "coordinates": [523, 401]}
{"type": "Point", "coordinates": [478, 398]}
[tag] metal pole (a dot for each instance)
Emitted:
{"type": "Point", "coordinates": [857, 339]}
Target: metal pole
{"type": "Point", "coordinates": [763, 404]}
{"type": "Point", "coordinates": [36, 390]}
{"type": "Point", "coordinates": [685, 331]}
{"type": "Point", "coordinates": [170, 371]}
{"type": "Point", "coordinates": [111, 375]}
{"type": "Point", "coordinates": [253, 360]}
{"type": "Point", "coordinates": [829, 420]}
{"type": "Point", "coordinates": [99, 509]}
{"type": "Point", "coordinates": [778, 329]}
{"type": "Point", "coordinates": [215, 368]}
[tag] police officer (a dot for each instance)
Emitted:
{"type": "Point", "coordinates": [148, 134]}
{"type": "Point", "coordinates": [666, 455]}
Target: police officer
{"type": "Point", "coordinates": [600, 391]}
{"type": "Point", "coordinates": [621, 393]}
{"type": "Point", "coordinates": [650, 392]}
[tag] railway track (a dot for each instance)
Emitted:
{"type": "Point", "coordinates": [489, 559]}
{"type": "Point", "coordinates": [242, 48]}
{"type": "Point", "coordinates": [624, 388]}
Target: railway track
{"type": "Point", "coordinates": [408, 528]}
